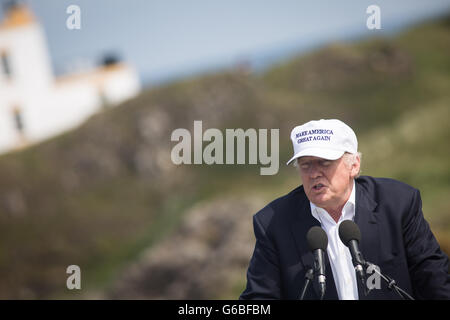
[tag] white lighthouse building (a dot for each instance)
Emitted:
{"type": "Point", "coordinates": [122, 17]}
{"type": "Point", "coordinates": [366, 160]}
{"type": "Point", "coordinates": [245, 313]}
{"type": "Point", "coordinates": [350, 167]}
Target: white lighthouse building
{"type": "Point", "coordinates": [34, 103]}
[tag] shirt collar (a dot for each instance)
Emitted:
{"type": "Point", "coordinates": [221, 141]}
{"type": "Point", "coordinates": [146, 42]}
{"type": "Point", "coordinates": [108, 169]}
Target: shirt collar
{"type": "Point", "coordinates": [348, 212]}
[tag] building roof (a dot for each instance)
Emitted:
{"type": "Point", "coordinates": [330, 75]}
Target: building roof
{"type": "Point", "coordinates": [96, 75]}
{"type": "Point", "coordinates": [17, 16]}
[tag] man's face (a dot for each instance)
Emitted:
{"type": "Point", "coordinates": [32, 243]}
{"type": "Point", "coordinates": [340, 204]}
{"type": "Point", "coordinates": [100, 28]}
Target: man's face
{"type": "Point", "coordinates": [327, 183]}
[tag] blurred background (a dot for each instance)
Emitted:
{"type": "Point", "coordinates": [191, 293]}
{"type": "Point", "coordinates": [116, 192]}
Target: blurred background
{"type": "Point", "coordinates": [89, 97]}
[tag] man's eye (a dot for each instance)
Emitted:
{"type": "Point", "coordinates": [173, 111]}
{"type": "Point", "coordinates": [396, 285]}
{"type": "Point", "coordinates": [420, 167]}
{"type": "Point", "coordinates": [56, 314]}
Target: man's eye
{"type": "Point", "coordinates": [326, 163]}
{"type": "Point", "coordinates": [304, 166]}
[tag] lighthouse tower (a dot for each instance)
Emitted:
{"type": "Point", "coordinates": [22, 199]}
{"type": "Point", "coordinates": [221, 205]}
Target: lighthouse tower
{"type": "Point", "coordinates": [25, 71]}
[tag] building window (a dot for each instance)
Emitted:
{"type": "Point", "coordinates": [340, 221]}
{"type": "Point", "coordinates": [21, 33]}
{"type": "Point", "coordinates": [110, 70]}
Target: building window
{"type": "Point", "coordinates": [5, 64]}
{"type": "Point", "coordinates": [17, 116]}
{"type": "Point", "coordinates": [18, 120]}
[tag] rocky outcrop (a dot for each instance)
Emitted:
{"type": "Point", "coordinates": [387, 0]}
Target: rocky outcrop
{"type": "Point", "coordinates": [204, 258]}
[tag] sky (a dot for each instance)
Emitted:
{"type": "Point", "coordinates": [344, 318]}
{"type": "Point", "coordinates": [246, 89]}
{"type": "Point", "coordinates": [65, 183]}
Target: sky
{"type": "Point", "coordinates": [168, 38]}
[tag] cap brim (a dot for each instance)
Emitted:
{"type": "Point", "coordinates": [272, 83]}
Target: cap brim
{"type": "Point", "coordinates": [328, 154]}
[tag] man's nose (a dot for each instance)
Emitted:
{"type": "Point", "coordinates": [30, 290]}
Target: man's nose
{"type": "Point", "coordinates": [314, 171]}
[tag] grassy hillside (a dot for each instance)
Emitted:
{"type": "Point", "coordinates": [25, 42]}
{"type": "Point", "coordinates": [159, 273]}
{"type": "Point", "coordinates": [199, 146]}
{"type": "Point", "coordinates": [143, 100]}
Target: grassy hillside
{"type": "Point", "coordinates": [101, 195]}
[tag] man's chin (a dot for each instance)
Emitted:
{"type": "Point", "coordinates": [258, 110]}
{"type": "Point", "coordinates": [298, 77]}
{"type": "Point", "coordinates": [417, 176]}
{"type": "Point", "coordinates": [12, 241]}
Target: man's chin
{"type": "Point", "coordinates": [319, 200]}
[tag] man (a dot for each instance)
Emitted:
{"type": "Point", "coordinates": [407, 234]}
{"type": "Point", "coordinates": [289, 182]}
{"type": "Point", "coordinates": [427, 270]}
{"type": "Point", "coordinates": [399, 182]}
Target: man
{"type": "Point", "coordinates": [394, 233]}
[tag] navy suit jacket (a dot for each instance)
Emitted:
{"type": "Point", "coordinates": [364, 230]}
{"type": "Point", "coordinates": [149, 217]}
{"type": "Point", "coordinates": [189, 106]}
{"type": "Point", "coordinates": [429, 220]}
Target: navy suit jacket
{"type": "Point", "coordinates": [394, 236]}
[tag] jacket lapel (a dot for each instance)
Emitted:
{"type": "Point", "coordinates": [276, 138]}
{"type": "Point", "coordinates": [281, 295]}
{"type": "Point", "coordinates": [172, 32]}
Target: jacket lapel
{"type": "Point", "coordinates": [366, 219]}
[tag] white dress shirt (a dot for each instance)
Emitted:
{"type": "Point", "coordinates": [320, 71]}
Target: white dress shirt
{"type": "Point", "coordinates": [339, 255]}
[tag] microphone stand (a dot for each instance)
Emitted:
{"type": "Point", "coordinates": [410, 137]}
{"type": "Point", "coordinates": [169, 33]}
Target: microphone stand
{"type": "Point", "coordinates": [308, 278]}
{"type": "Point", "coordinates": [390, 282]}
{"type": "Point", "coordinates": [360, 273]}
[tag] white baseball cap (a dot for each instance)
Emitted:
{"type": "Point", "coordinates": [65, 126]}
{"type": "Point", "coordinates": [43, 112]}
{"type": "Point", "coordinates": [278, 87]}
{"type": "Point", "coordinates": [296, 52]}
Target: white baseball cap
{"type": "Point", "coordinates": [328, 139]}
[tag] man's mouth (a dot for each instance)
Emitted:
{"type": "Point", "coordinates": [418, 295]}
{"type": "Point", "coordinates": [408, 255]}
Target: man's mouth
{"type": "Point", "coordinates": [318, 187]}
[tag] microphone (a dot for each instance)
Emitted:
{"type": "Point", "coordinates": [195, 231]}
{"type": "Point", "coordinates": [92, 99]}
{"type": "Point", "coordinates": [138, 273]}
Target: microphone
{"type": "Point", "coordinates": [318, 242]}
{"type": "Point", "coordinates": [351, 236]}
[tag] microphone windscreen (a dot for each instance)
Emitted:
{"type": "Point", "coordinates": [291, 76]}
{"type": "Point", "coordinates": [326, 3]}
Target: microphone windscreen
{"type": "Point", "coordinates": [317, 238]}
{"type": "Point", "coordinates": [348, 230]}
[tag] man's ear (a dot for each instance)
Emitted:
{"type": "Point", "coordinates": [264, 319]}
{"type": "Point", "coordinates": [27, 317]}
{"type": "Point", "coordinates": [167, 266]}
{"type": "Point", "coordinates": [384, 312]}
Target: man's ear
{"type": "Point", "coordinates": [355, 167]}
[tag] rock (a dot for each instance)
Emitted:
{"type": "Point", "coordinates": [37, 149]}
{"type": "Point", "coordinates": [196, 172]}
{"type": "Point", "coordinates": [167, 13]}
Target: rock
{"type": "Point", "coordinates": [202, 259]}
